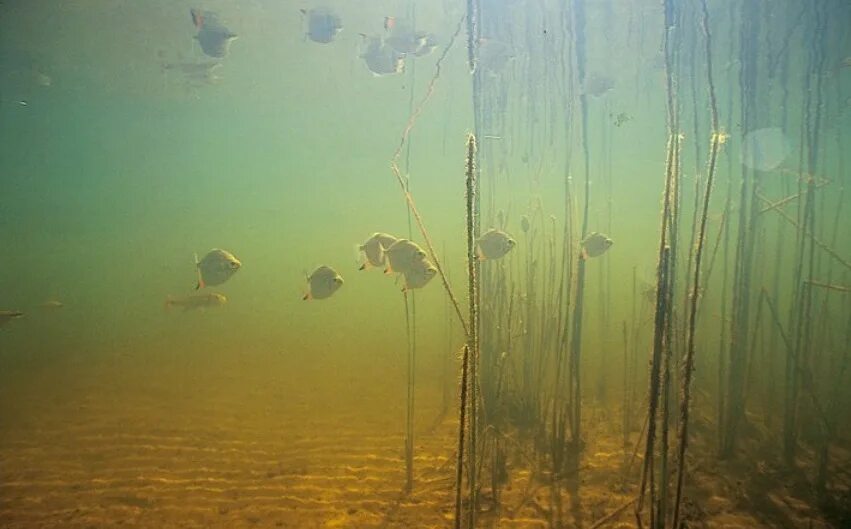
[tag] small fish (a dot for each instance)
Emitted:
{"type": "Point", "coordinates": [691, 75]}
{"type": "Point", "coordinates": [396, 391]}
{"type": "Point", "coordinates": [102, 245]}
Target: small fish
{"type": "Point", "coordinates": [373, 250]}
{"type": "Point", "coordinates": [595, 245]}
{"type": "Point", "coordinates": [419, 274]}
{"type": "Point", "coordinates": [402, 255]}
{"type": "Point", "coordinates": [494, 244]}
{"type": "Point", "coordinates": [52, 304]}
{"type": "Point", "coordinates": [597, 85]}
{"type": "Point", "coordinates": [494, 55]}
{"type": "Point", "coordinates": [8, 315]}
{"type": "Point", "coordinates": [621, 118]}
{"type": "Point", "coordinates": [323, 24]}
{"type": "Point", "coordinates": [196, 301]}
{"type": "Point", "coordinates": [322, 283]}
{"type": "Point", "coordinates": [405, 40]}
{"type": "Point", "coordinates": [213, 37]}
{"type": "Point", "coordinates": [23, 103]}
{"type": "Point", "coordinates": [524, 223]}
{"type": "Point", "coordinates": [42, 79]}
{"type": "Point", "coordinates": [380, 58]}
{"type": "Point", "coordinates": [429, 44]}
{"type": "Point", "coordinates": [216, 267]}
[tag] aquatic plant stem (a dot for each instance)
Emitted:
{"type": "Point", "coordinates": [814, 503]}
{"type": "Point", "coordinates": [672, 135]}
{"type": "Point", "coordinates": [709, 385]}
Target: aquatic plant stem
{"type": "Point", "coordinates": [394, 167]}
{"type": "Point", "coordinates": [473, 337]}
{"type": "Point", "coordinates": [462, 428]}
{"type": "Point", "coordinates": [688, 367]}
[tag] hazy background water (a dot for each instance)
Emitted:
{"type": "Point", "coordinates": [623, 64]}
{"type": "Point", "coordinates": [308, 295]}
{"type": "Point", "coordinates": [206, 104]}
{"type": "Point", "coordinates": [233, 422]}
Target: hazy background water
{"type": "Point", "coordinates": [116, 173]}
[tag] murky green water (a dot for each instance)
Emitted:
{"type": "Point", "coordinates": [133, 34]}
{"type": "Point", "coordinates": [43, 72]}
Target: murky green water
{"type": "Point", "coordinates": [118, 164]}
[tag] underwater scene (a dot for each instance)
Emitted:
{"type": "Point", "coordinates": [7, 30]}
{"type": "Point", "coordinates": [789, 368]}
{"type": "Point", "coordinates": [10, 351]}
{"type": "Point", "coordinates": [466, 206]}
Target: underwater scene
{"type": "Point", "coordinates": [425, 264]}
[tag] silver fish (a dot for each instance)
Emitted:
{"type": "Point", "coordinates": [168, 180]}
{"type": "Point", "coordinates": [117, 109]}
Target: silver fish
{"type": "Point", "coordinates": [380, 58]}
{"type": "Point", "coordinates": [196, 301]}
{"type": "Point", "coordinates": [52, 304]}
{"type": "Point", "coordinates": [419, 274]}
{"type": "Point", "coordinates": [494, 244]}
{"type": "Point", "coordinates": [323, 24]}
{"type": "Point", "coordinates": [322, 283]}
{"type": "Point", "coordinates": [213, 37]}
{"type": "Point", "coordinates": [8, 315]}
{"type": "Point", "coordinates": [595, 245]}
{"type": "Point", "coordinates": [402, 255]}
{"type": "Point", "coordinates": [216, 267]}
{"type": "Point", "coordinates": [374, 248]}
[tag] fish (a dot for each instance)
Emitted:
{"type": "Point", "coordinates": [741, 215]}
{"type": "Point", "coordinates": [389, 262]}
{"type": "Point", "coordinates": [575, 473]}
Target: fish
{"type": "Point", "coordinates": [373, 250]}
{"type": "Point", "coordinates": [213, 37]}
{"type": "Point", "coordinates": [322, 283]}
{"type": "Point", "coordinates": [494, 244]}
{"type": "Point", "coordinates": [401, 255]}
{"type": "Point", "coordinates": [380, 58]}
{"type": "Point", "coordinates": [323, 24]}
{"type": "Point", "coordinates": [597, 85]}
{"type": "Point", "coordinates": [8, 315]}
{"type": "Point", "coordinates": [595, 245]}
{"type": "Point", "coordinates": [419, 274]}
{"type": "Point", "coordinates": [524, 223]}
{"type": "Point", "coordinates": [216, 267]}
{"type": "Point", "coordinates": [196, 301]}
{"type": "Point", "coordinates": [620, 119]}
{"type": "Point", "coordinates": [428, 45]}
{"type": "Point", "coordinates": [494, 55]}
{"type": "Point", "coordinates": [405, 40]}
{"type": "Point", "coordinates": [52, 304]}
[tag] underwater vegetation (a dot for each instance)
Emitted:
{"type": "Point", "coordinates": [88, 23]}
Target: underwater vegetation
{"type": "Point", "coordinates": [602, 272]}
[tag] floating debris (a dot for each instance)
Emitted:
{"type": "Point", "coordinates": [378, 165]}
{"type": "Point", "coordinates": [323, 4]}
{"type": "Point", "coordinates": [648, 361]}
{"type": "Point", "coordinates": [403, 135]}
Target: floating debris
{"type": "Point", "coordinates": [216, 267]}
{"type": "Point", "coordinates": [323, 24]}
{"type": "Point", "coordinates": [197, 301]}
{"type": "Point", "coordinates": [322, 283]}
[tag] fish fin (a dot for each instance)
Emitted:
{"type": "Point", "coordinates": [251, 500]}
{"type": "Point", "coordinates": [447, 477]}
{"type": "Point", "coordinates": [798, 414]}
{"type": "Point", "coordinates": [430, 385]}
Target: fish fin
{"type": "Point", "coordinates": [583, 255]}
{"type": "Point", "coordinates": [200, 284]}
{"type": "Point", "coordinates": [303, 11]}
{"type": "Point", "coordinates": [363, 266]}
{"type": "Point", "coordinates": [306, 297]}
{"type": "Point", "coordinates": [479, 254]}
